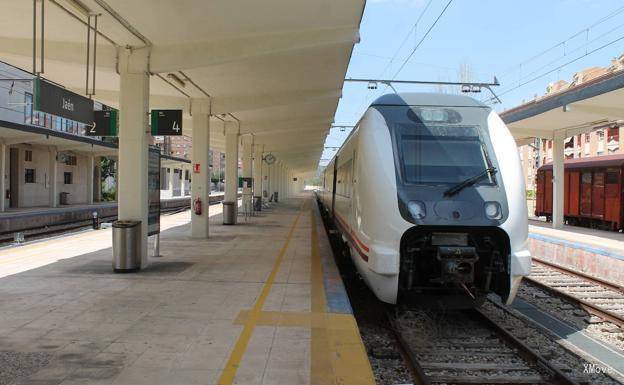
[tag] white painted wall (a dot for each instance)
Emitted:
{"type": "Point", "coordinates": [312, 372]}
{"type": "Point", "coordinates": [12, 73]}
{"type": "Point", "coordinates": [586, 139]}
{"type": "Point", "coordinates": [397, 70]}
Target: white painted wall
{"type": "Point", "coordinates": [36, 194]}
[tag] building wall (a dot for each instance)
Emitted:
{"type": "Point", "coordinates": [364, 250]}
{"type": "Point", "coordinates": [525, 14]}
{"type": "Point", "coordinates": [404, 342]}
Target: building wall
{"type": "Point", "coordinates": [37, 194]}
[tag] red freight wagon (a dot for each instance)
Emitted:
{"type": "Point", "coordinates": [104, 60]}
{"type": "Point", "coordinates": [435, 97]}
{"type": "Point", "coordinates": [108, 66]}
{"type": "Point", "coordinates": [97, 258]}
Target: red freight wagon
{"type": "Point", "coordinates": [592, 190]}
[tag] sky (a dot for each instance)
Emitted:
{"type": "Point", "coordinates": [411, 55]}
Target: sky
{"type": "Point", "coordinates": [526, 44]}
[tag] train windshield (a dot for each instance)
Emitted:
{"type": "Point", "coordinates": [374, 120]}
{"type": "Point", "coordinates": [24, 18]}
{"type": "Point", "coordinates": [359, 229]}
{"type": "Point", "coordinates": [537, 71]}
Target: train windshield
{"type": "Point", "coordinates": [442, 145]}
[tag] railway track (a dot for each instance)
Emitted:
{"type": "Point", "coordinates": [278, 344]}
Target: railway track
{"type": "Point", "coordinates": [470, 347]}
{"type": "Point", "coordinates": [66, 227]}
{"type": "Point", "coordinates": [597, 297]}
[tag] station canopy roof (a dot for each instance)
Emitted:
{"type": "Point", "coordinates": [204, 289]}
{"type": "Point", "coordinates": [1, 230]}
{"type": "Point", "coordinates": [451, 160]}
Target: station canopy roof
{"type": "Point", "coordinates": [594, 104]}
{"type": "Point", "coordinates": [276, 65]}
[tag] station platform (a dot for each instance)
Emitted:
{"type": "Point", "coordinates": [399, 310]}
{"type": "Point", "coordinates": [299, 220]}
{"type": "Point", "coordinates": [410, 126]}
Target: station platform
{"type": "Point", "coordinates": [256, 303]}
{"type": "Point", "coordinates": [595, 252]}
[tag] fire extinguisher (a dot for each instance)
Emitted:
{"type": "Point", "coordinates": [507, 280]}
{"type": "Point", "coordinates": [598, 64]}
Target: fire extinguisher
{"type": "Point", "coordinates": [197, 206]}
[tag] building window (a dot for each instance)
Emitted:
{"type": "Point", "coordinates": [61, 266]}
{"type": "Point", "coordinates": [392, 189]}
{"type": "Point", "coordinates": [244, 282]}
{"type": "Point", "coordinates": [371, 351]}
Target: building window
{"type": "Point", "coordinates": [29, 176]}
{"type": "Point", "coordinates": [28, 108]}
{"type": "Point", "coordinates": [28, 155]}
{"type": "Point", "coordinates": [71, 160]}
{"type": "Point", "coordinates": [600, 135]}
{"type": "Point", "coordinates": [68, 178]}
{"type": "Point", "coordinates": [186, 175]}
{"type": "Point", "coordinates": [587, 137]}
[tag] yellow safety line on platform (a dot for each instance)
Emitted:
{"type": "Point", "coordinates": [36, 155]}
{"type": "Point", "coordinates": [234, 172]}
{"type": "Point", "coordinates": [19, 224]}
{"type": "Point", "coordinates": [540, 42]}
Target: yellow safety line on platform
{"type": "Point", "coordinates": [338, 353]}
{"type": "Point", "coordinates": [231, 367]}
{"type": "Point", "coordinates": [308, 320]}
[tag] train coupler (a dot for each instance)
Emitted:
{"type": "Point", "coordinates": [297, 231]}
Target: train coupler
{"type": "Point", "coordinates": [457, 264]}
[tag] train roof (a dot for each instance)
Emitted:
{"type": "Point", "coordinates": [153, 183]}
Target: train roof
{"type": "Point", "coordinates": [615, 160]}
{"type": "Point", "coordinates": [426, 99]}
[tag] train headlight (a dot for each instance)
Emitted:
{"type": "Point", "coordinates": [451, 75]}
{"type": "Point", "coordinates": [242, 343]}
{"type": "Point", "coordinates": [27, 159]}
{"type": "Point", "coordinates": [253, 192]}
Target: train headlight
{"type": "Point", "coordinates": [493, 210]}
{"type": "Point", "coordinates": [417, 209]}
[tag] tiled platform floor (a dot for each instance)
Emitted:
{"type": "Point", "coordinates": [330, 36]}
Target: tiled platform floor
{"type": "Point", "coordinates": [246, 306]}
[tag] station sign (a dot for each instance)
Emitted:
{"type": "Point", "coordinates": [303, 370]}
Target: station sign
{"type": "Point", "coordinates": [105, 123]}
{"type": "Point", "coordinates": [153, 191]}
{"type": "Point", "coordinates": [55, 100]}
{"type": "Point", "coordinates": [166, 122]}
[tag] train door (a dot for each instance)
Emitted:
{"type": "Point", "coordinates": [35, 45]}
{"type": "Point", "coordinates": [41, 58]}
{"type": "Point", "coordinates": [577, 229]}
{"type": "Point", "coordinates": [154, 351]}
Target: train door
{"type": "Point", "coordinates": [539, 194]}
{"type": "Point", "coordinates": [612, 197]}
{"type": "Point", "coordinates": [14, 177]}
{"type": "Point", "coordinates": [573, 196]}
{"type": "Point", "coordinates": [586, 193]}
{"type": "Point", "coordinates": [598, 190]}
{"type": "Point", "coordinates": [548, 192]}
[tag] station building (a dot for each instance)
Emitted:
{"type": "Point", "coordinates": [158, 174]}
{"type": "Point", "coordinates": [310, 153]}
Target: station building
{"type": "Point", "coordinates": [49, 161]}
{"type": "Point", "coordinates": [606, 139]}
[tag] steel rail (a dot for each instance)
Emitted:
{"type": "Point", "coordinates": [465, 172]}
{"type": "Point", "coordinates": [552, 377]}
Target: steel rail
{"type": "Point", "coordinates": [418, 373]}
{"type": "Point", "coordinates": [526, 352]}
{"type": "Point", "coordinates": [566, 270]}
{"type": "Point", "coordinates": [585, 305]}
{"type": "Point", "coordinates": [554, 375]}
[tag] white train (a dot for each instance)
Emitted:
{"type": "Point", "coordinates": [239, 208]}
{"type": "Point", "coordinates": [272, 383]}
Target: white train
{"type": "Point", "coordinates": [429, 194]}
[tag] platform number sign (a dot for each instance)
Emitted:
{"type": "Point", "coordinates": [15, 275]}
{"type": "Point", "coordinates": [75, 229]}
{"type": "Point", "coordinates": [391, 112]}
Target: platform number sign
{"type": "Point", "coordinates": [105, 123]}
{"type": "Point", "coordinates": [166, 122]}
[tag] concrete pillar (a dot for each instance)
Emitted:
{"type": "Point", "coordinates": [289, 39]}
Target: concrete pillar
{"type": "Point", "coordinates": [282, 181]}
{"type": "Point", "coordinates": [134, 138]}
{"type": "Point", "coordinates": [98, 179]}
{"type": "Point", "coordinates": [171, 185]}
{"type": "Point", "coordinates": [276, 188]}
{"type": "Point", "coordinates": [257, 171]}
{"type": "Point", "coordinates": [558, 180]}
{"type": "Point", "coordinates": [271, 179]}
{"type": "Point", "coordinates": [90, 178]}
{"type": "Point", "coordinates": [247, 159]}
{"type": "Point", "coordinates": [52, 173]}
{"type": "Point", "coordinates": [231, 164]}
{"type": "Point", "coordinates": [200, 157]}
{"type": "Point", "coordinates": [3, 173]}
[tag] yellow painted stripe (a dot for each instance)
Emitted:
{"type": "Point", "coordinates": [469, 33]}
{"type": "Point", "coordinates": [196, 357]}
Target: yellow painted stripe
{"type": "Point", "coordinates": [308, 320]}
{"type": "Point", "coordinates": [338, 354]}
{"type": "Point", "coordinates": [231, 367]}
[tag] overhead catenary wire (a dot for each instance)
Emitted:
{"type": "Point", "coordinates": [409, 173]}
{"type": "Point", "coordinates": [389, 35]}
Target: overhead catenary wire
{"type": "Point", "coordinates": [448, 4]}
{"type": "Point", "coordinates": [563, 43]}
{"type": "Point", "coordinates": [560, 67]}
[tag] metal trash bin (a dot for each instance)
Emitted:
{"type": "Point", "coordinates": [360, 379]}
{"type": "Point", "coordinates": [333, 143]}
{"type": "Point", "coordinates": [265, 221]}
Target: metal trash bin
{"type": "Point", "coordinates": [63, 198]}
{"type": "Point", "coordinates": [126, 246]}
{"type": "Point", "coordinates": [258, 203]}
{"type": "Point", "coordinates": [229, 213]}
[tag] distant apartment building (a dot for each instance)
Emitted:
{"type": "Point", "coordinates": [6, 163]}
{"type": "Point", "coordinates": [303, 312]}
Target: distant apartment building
{"type": "Point", "coordinates": [602, 140]}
